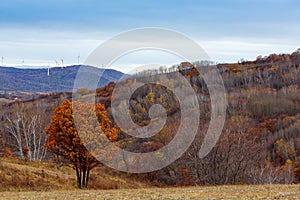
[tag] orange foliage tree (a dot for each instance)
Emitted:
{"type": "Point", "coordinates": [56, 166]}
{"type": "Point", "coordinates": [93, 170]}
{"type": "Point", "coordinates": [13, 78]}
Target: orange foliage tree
{"type": "Point", "coordinates": [64, 140]}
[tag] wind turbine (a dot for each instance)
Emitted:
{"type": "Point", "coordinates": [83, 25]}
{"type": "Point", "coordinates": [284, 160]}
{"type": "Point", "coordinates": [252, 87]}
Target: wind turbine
{"type": "Point", "coordinates": [62, 63]}
{"type": "Point", "coordinates": [78, 58]}
{"type": "Point", "coordinates": [48, 73]}
{"type": "Point", "coordinates": [2, 58]}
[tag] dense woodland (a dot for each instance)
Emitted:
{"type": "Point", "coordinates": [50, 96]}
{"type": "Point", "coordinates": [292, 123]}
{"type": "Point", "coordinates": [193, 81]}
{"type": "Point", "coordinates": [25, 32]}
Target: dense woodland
{"type": "Point", "coordinates": [260, 142]}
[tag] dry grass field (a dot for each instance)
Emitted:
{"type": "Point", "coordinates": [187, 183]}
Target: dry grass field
{"type": "Point", "coordinates": [19, 175]}
{"type": "Point", "coordinates": [35, 180]}
{"type": "Point", "coordinates": [213, 192]}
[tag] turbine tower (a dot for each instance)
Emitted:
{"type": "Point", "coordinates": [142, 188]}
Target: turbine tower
{"type": "Point", "coordinates": [78, 58]}
{"type": "Point", "coordinates": [62, 63]}
{"type": "Point", "coordinates": [48, 72]}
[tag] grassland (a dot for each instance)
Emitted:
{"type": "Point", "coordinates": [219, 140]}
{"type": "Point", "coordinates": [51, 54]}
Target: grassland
{"type": "Point", "coordinates": [212, 192]}
{"type": "Point", "coordinates": [36, 180]}
{"type": "Point", "coordinates": [19, 175]}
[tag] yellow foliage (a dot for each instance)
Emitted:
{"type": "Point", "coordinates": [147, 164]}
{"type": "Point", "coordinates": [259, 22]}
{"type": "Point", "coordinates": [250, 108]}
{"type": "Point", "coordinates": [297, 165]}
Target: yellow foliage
{"type": "Point", "coordinates": [238, 118]}
{"type": "Point", "coordinates": [288, 162]}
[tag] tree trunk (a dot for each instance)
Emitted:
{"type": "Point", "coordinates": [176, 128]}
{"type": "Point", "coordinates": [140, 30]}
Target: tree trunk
{"type": "Point", "coordinates": [83, 178]}
{"type": "Point", "coordinates": [87, 177]}
{"type": "Point", "coordinates": [78, 174]}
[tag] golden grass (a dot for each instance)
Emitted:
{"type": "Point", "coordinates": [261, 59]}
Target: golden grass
{"type": "Point", "coordinates": [18, 175]}
{"type": "Point", "coordinates": [212, 192]}
{"type": "Point", "coordinates": [41, 180]}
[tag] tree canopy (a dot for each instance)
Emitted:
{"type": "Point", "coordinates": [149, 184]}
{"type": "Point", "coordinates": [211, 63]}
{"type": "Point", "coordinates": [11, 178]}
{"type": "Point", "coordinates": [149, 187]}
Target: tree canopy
{"type": "Point", "coordinates": [64, 138]}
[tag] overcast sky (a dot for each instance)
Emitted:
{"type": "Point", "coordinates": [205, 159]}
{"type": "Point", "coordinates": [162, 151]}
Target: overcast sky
{"type": "Point", "coordinates": [35, 32]}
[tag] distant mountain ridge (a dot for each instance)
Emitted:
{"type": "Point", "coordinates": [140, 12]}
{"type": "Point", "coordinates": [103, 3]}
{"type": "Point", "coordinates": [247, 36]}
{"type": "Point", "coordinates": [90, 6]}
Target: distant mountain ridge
{"type": "Point", "coordinates": [59, 79]}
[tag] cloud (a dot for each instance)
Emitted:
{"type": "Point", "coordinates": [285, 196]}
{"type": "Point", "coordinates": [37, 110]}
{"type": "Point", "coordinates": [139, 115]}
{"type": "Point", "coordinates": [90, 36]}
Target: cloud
{"type": "Point", "coordinates": [43, 47]}
{"type": "Point", "coordinates": [38, 47]}
{"type": "Point", "coordinates": [232, 50]}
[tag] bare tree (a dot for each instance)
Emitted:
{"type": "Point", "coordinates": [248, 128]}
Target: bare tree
{"type": "Point", "coordinates": [26, 125]}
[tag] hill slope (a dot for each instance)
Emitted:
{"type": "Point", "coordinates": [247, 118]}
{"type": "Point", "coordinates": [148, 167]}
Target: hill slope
{"type": "Point", "coordinates": [59, 79]}
{"type": "Point", "coordinates": [19, 175]}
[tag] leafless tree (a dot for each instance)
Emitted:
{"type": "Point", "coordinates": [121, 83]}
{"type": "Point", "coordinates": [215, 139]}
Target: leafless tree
{"type": "Point", "coordinates": [26, 125]}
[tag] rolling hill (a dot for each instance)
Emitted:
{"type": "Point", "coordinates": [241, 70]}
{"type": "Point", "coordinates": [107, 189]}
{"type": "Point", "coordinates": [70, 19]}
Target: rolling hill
{"type": "Point", "coordinates": [59, 79]}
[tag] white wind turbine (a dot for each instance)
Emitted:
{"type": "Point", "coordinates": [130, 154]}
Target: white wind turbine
{"type": "Point", "coordinates": [78, 58]}
{"type": "Point", "coordinates": [48, 72]}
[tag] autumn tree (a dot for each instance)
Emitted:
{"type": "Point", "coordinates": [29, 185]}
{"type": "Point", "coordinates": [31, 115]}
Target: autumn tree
{"type": "Point", "coordinates": [66, 141]}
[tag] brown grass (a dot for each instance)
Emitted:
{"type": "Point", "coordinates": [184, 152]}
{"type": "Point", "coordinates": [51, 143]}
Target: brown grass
{"type": "Point", "coordinates": [36, 180]}
{"type": "Point", "coordinates": [212, 192]}
{"type": "Point", "coordinates": [19, 175]}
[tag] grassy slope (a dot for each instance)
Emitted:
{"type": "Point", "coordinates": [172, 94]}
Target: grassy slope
{"type": "Point", "coordinates": [20, 180]}
{"type": "Point", "coordinates": [18, 175]}
{"type": "Point", "coordinates": [213, 192]}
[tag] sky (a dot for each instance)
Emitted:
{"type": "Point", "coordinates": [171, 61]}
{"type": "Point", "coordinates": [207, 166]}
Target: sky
{"type": "Point", "coordinates": [43, 33]}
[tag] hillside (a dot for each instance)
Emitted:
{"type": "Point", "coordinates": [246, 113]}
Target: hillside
{"type": "Point", "coordinates": [59, 79]}
{"type": "Point", "coordinates": [39, 180]}
{"type": "Point", "coordinates": [19, 175]}
{"type": "Point", "coordinates": [260, 141]}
